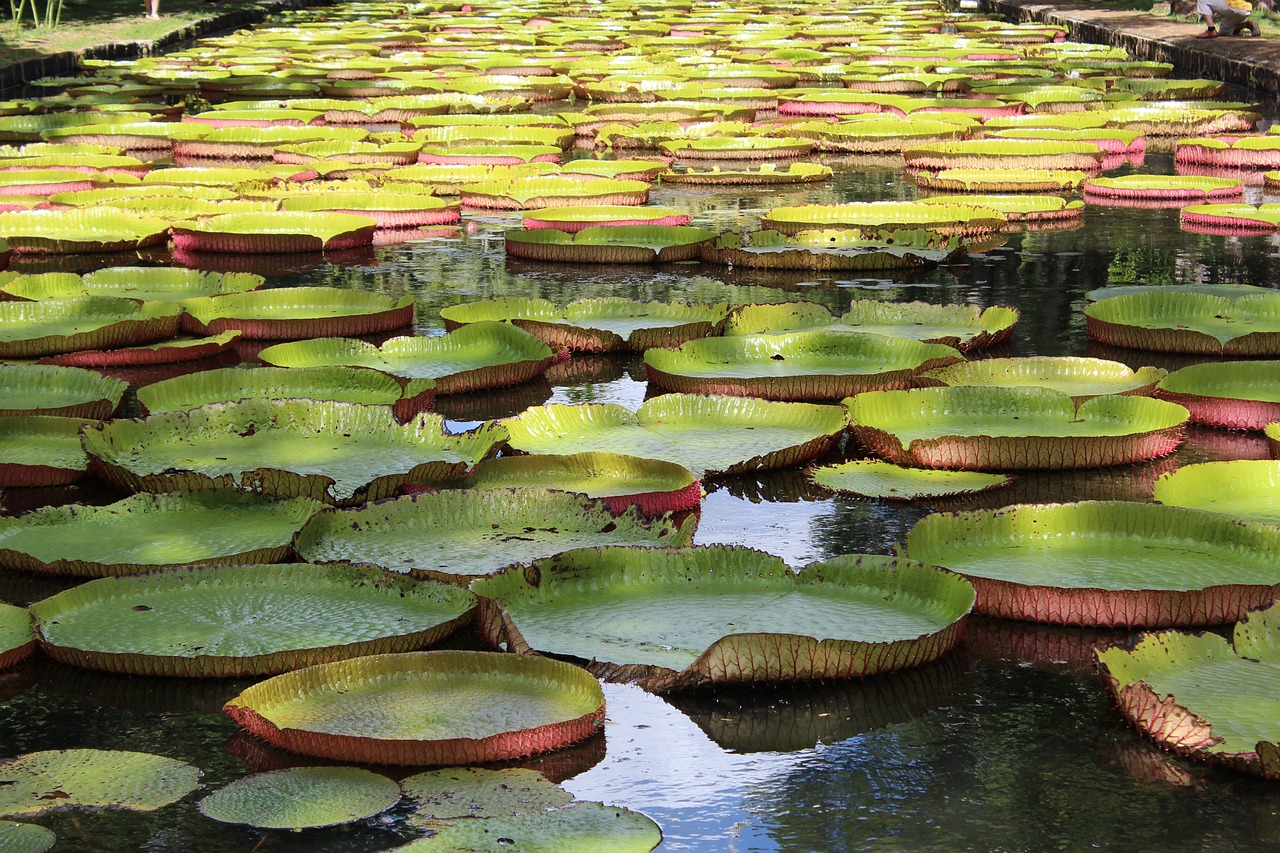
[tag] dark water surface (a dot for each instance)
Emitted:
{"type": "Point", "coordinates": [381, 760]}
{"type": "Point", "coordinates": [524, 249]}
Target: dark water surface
{"type": "Point", "coordinates": [1008, 744]}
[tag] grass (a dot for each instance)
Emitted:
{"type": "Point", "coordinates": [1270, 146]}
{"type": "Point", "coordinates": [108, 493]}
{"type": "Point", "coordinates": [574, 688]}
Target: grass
{"type": "Point", "coordinates": [86, 23]}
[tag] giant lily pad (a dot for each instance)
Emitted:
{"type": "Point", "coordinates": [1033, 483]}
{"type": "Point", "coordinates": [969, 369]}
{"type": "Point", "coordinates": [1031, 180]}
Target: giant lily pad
{"type": "Point", "coordinates": [610, 244]}
{"type": "Point", "coordinates": [32, 389]}
{"type": "Point", "coordinates": [1004, 154]}
{"type": "Point", "coordinates": [58, 232]}
{"type": "Point", "coordinates": [817, 365]}
{"type": "Point", "coordinates": [1079, 378]}
{"type": "Point", "coordinates": [456, 535]}
{"type": "Point", "coordinates": [25, 838]}
{"type": "Point", "coordinates": [16, 638]}
{"type": "Point", "coordinates": [607, 324]}
{"type": "Point", "coordinates": [1201, 695]}
{"type": "Point", "coordinates": [1228, 394]}
{"type": "Point", "coordinates": [477, 356]}
{"type": "Point", "coordinates": [985, 427]}
{"type": "Point", "coordinates": [685, 618]}
{"type": "Point", "coordinates": [232, 621]}
{"type": "Point", "coordinates": [134, 534]}
{"type": "Point", "coordinates": [578, 827]}
{"type": "Point", "coordinates": [1002, 180]}
{"type": "Point", "coordinates": [1230, 219]}
{"type": "Point", "coordinates": [424, 708]}
{"type": "Point", "coordinates": [387, 209]}
{"type": "Point", "coordinates": [165, 352]}
{"type": "Point", "coordinates": [882, 217]}
{"type": "Point", "coordinates": [345, 384]}
{"type": "Point", "coordinates": [577, 218]}
{"type": "Point", "coordinates": [1105, 562]}
{"type": "Point", "coordinates": [536, 192]}
{"type": "Point", "coordinates": [1162, 188]}
{"type": "Point", "coordinates": [298, 312]}
{"type": "Point", "coordinates": [767, 174]}
{"type": "Point", "coordinates": [871, 478]}
{"type": "Point", "coordinates": [832, 249]}
{"type": "Point", "coordinates": [706, 435]}
{"type": "Point", "coordinates": [41, 782]}
{"type": "Point", "coordinates": [1172, 321]}
{"type": "Point", "coordinates": [33, 329]}
{"type": "Point", "coordinates": [1019, 208]}
{"type": "Point", "coordinates": [1242, 488]}
{"type": "Point", "coordinates": [168, 284]}
{"type": "Point", "coordinates": [325, 450]}
{"type": "Point", "coordinates": [461, 792]}
{"type": "Point", "coordinates": [278, 232]}
{"type": "Point", "coordinates": [41, 450]}
{"type": "Point", "coordinates": [302, 797]}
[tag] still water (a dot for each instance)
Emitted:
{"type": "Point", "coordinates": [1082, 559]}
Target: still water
{"type": "Point", "coordinates": [1008, 744]}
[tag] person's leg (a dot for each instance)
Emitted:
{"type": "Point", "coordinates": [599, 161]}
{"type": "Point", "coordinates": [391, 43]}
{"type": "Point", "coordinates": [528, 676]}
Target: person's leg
{"type": "Point", "coordinates": [153, 8]}
{"type": "Point", "coordinates": [1205, 10]}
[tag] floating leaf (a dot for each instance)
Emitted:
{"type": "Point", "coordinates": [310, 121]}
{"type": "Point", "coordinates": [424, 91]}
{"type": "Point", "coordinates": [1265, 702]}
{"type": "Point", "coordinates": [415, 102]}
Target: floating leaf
{"type": "Point", "coordinates": [1248, 489]}
{"type": "Point", "coordinates": [876, 479]}
{"type": "Point", "coordinates": [25, 838]}
{"type": "Point", "coordinates": [16, 637]}
{"type": "Point", "coordinates": [440, 795]}
{"type": "Point", "coordinates": [577, 828]}
{"type": "Point", "coordinates": [40, 782]}
{"type": "Point", "coordinates": [302, 798]}
{"type": "Point", "coordinates": [32, 389]}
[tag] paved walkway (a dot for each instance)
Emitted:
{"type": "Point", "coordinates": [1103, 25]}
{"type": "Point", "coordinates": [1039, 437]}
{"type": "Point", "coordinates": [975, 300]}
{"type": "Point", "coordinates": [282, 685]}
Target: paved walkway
{"type": "Point", "coordinates": [1252, 62]}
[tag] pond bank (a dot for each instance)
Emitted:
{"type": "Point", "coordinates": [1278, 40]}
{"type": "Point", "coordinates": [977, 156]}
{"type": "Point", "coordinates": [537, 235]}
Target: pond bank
{"type": "Point", "coordinates": [1251, 62]}
{"type": "Point", "coordinates": [66, 62]}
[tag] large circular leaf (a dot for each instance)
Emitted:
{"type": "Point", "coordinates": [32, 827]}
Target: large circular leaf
{"type": "Point", "coordinates": [302, 797]}
{"type": "Point", "coordinates": [25, 838]}
{"type": "Point", "coordinates": [1229, 394]}
{"type": "Point", "coordinates": [298, 312]}
{"type": "Point", "coordinates": [875, 479]}
{"type": "Point", "coordinates": [35, 389]}
{"type": "Point", "coordinates": [1242, 488]}
{"type": "Point", "coordinates": [16, 637]}
{"type": "Point", "coordinates": [41, 450]}
{"type": "Point", "coordinates": [579, 828]}
{"type": "Point", "coordinates": [40, 782]}
{"type": "Point", "coordinates": [458, 792]}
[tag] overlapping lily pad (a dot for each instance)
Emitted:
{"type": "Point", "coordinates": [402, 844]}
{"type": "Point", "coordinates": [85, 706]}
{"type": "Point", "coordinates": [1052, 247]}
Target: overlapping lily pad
{"type": "Point", "coordinates": [17, 640]}
{"type": "Point", "coordinates": [284, 231]}
{"type": "Point", "coordinates": [707, 435]}
{"type": "Point", "coordinates": [610, 244]}
{"type": "Point", "coordinates": [577, 218]}
{"type": "Point", "coordinates": [232, 621]}
{"type": "Point", "coordinates": [1105, 562]}
{"type": "Point", "coordinates": [1227, 394]}
{"type": "Point", "coordinates": [1202, 695]}
{"type": "Point", "coordinates": [169, 284]}
{"type": "Point", "coordinates": [41, 782]}
{"type": "Point", "coordinates": [816, 365]}
{"type": "Point", "coordinates": [477, 356]}
{"type": "Point", "coordinates": [302, 798]}
{"type": "Point", "coordinates": [456, 535]}
{"type": "Point", "coordinates": [424, 708]}
{"type": "Point", "coordinates": [1172, 321]}
{"type": "Point", "coordinates": [871, 478]}
{"type": "Point", "coordinates": [1079, 378]}
{"type": "Point", "coordinates": [884, 217]}
{"type": "Point", "coordinates": [536, 192]}
{"type": "Point", "coordinates": [41, 450]}
{"type": "Point", "coordinates": [32, 389]}
{"type": "Point", "coordinates": [767, 174]}
{"type": "Point", "coordinates": [685, 618]}
{"type": "Point", "coordinates": [134, 534]}
{"type": "Point", "coordinates": [466, 792]}
{"type": "Point", "coordinates": [69, 232]}
{"type": "Point", "coordinates": [1162, 188]}
{"type": "Point", "coordinates": [165, 352]}
{"type": "Point", "coordinates": [25, 838]}
{"type": "Point", "coordinates": [328, 451]}
{"type": "Point", "coordinates": [1242, 488]}
{"type": "Point", "coordinates": [34, 329]}
{"type": "Point", "coordinates": [606, 324]}
{"type": "Point", "coordinates": [829, 250]}
{"type": "Point", "coordinates": [985, 427]}
{"type": "Point", "coordinates": [577, 827]}
{"type": "Point", "coordinates": [1002, 180]}
{"type": "Point", "coordinates": [298, 312]}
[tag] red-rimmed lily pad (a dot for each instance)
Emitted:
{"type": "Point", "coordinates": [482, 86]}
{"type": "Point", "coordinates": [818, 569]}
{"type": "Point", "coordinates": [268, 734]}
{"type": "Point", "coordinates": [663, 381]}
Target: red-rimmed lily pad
{"type": "Point", "coordinates": [1227, 394]}
{"type": "Point", "coordinates": [1079, 378]}
{"type": "Point", "coordinates": [1161, 188]}
{"type": "Point", "coordinates": [768, 173]}
{"type": "Point", "coordinates": [297, 312]}
{"type": "Point", "coordinates": [872, 478]}
{"type": "Point", "coordinates": [41, 782]}
{"type": "Point", "coordinates": [1230, 219]}
{"type": "Point", "coordinates": [540, 191]}
{"type": "Point", "coordinates": [30, 389]}
{"type": "Point", "coordinates": [387, 209]}
{"type": "Point", "coordinates": [1019, 208]}
{"type": "Point", "coordinates": [605, 324]}
{"type": "Point", "coordinates": [283, 231]}
{"type": "Point", "coordinates": [986, 427]}
{"type": "Point", "coordinates": [1002, 180]}
{"type": "Point", "coordinates": [77, 231]}
{"type": "Point", "coordinates": [1172, 321]}
{"type": "Point", "coordinates": [738, 148]}
{"type": "Point", "coordinates": [133, 535]}
{"type": "Point", "coordinates": [882, 217]}
{"type": "Point", "coordinates": [1201, 695]}
{"type": "Point", "coordinates": [345, 384]}
{"type": "Point", "coordinates": [329, 451]}
{"type": "Point", "coordinates": [34, 329]}
{"type": "Point", "coordinates": [1005, 154]}
{"type": "Point", "coordinates": [817, 365]}
{"type": "Point", "coordinates": [164, 352]}
{"type": "Point", "coordinates": [690, 617]}
{"type": "Point", "coordinates": [831, 250]}
{"type": "Point", "coordinates": [610, 244]}
{"type": "Point", "coordinates": [578, 217]}
{"type": "Point", "coordinates": [1248, 489]}
{"type": "Point", "coordinates": [41, 450]}
{"type": "Point", "coordinates": [425, 708]}
{"type": "Point", "coordinates": [302, 798]}
{"type": "Point", "coordinates": [16, 638]}
{"type": "Point", "coordinates": [175, 622]}
{"type": "Point", "coordinates": [456, 535]}
{"type": "Point", "coordinates": [707, 435]}
{"type": "Point", "coordinates": [1247, 152]}
{"type": "Point", "coordinates": [475, 357]}
{"type": "Point", "coordinates": [167, 284]}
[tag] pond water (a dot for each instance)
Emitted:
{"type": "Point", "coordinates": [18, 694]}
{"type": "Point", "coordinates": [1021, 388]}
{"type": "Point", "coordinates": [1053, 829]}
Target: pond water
{"type": "Point", "coordinates": [1007, 744]}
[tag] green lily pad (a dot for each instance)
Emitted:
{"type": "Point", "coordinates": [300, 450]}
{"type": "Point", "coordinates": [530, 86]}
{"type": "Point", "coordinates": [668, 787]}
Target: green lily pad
{"type": "Point", "coordinates": [281, 231]}
{"type": "Point", "coordinates": [875, 479]}
{"type": "Point", "coordinates": [576, 218]}
{"type": "Point", "coordinates": [794, 366]}
{"type": "Point", "coordinates": [16, 637]}
{"type": "Point", "coordinates": [35, 389]}
{"type": "Point", "coordinates": [711, 435]}
{"type": "Point", "coordinates": [539, 191]}
{"type": "Point", "coordinates": [135, 534]}
{"type": "Point", "coordinates": [1105, 562]}
{"type": "Point", "coordinates": [832, 250]}
{"type": "Point", "coordinates": [1230, 291]}
{"type": "Point", "coordinates": [1019, 208]}
{"type": "Point", "coordinates": [466, 792]}
{"type": "Point", "coordinates": [329, 451]}
{"type": "Point", "coordinates": [1201, 695]}
{"type": "Point", "coordinates": [986, 427]}
{"type": "Point", "coordinates": [886, 216]}
{"type": "Point", "coordinates": [456, 535]}
{"type": "Point", "coordinates": [1248, 489]}
{"type": "Point", "coordinates": [475, 357]}
{"type": "Point", "coordinates": [168, 284]}
{"type": "Point", "coordinates": [297, 312]}
{"type": "Point", "coordinates": [76, 231]}
{"type": "Point", "coordinates": [767, 173]}
{"type": "Point", "coordinates": [605, 324]}
{"type": "Point", "coordinates": [33, 329]}
{"type": "Point", "coordinates": [41, 782]}
{"type": "Point", "coordinates": [684, 618]}
{"type": "Point", "coordinates": [302, 798]}
{"type": "Point", "coordinates": [41, 450]}
{"type": "Point", "coordinates": [177, 623]}
{"type": "Point", "coordinates": [1002, 180]}
{"type": "Point", "coordinates": [1163, 187]}
{"type": "Point", "coordinates": [610, 244]}
{"type": "Point", "coordinates": [1188, 322]}
{"type": "Point", "coordinates": [25, 838]}
{"type": "Point", "coordinates": [578, 828]}
{"type": "Point", "coordinates": [1004, 154]}
{"type": "Point", "coordinates": [424, 708]}
{"type": "Point", "coordinates": [1078, 378]}
{"type": "Point", "coordinates": [1238, 394]}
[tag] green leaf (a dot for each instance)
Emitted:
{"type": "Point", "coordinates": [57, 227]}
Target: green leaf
{"type": "Point", "coordinates": [302, 798]}
{"type": "Point", "coordinates": [25, 838]}
{"type": "Point", "coordinates": [465, 792]}
{"type": "Point", "coordinates": [875, 479]}
{"type": "Point", "coordinates": [1247, 489]}
{"type": "Point", "coordinates": [579, 828]}
{"type": "Point", "coordinates": [40, 782]}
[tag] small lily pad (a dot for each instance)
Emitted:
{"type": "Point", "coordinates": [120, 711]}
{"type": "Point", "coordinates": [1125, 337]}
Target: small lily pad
{"type": "Point", "coordinates": [25, 838]}
{"type": "Point", "coordinates": [476, 792]}
{"type": "Point", "coordinates": [40, 782]}
{"type": "Point", "coordinates": [875, 479]}
{"type": "Point", "coordinates": [579, 828]}
{"type": "Point", "coordinates": [302, 797]}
